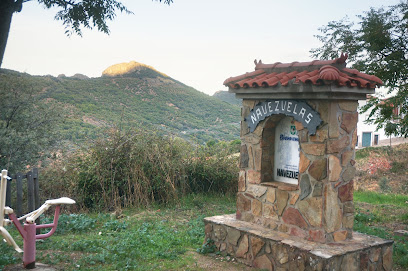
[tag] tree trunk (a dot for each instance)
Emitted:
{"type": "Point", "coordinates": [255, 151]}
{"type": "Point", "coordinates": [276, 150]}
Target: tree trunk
{"type": "Point", "coordinates": [7, 8]}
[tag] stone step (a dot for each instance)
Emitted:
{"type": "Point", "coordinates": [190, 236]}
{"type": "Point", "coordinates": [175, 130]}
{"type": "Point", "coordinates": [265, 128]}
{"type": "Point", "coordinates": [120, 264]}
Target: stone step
{"type": "Point", "coordinates": [264, 248]}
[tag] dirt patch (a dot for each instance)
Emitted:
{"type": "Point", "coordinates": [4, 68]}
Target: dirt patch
{"type": "Point", "coordinates": [38, 267]}
{"type": "Point", "coordinates": [199, 262]}
{"type": "Point", "coordinates": [215, 262]}
{"type": "Point", "coordinates": [93, 121]}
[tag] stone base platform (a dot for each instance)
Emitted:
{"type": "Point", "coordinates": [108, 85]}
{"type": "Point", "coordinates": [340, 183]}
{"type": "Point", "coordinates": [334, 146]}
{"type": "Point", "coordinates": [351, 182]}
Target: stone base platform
{"type": "Point", "coordinates": [267, 249]}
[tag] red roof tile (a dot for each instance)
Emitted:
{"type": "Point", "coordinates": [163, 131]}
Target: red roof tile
{"type": "Point", "coordinates": [317, 72]}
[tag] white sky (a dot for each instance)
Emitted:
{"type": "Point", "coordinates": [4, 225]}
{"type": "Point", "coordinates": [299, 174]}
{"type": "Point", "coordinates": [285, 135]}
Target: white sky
{"type": "Point", "coordinates": [200, 43]}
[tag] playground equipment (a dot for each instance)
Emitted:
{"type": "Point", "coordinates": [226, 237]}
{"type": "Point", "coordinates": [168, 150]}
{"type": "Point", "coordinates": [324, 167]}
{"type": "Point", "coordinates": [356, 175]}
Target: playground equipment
{"type": "Point", "coordinates": [28, 232]}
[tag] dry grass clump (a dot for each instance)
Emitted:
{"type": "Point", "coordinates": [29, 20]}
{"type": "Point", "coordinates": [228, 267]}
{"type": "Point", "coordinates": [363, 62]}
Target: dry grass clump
{"type": "Point", "coordinates": [139, 169]}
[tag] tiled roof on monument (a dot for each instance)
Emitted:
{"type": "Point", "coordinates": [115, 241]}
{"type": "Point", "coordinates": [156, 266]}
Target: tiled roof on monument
{"type": "Point", "coordinates": [317, 72]}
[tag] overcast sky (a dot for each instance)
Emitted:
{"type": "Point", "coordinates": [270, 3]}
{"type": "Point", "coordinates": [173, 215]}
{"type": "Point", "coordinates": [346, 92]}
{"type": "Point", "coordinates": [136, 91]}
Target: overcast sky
{"type": "Point", "coordinates": [200, 43]}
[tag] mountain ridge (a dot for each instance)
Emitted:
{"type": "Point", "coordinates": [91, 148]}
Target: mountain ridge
{"type": "Point", "coordinates": [227, 97]}
{"type": "Point", "coordinates": [138, 97]}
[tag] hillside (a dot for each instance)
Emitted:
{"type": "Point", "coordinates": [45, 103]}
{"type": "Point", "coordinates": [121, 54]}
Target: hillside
{"type": "Point", "coordinates": [134, 96]}
{"type": "Point", "coordinates": [382, 169]}
{"type": "Point", "coordinates": [227, 97]}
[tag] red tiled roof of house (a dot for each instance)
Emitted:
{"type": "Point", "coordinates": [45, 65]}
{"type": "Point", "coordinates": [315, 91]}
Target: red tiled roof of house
{"type": "Point", "coordinates": [317, 72]}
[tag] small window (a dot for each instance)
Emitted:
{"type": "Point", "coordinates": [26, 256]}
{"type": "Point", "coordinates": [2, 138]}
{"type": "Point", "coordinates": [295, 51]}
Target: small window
{"type": "Point", "coordinates": [376, 137]}
{"type": "Point", "coordinates": [357, 142]}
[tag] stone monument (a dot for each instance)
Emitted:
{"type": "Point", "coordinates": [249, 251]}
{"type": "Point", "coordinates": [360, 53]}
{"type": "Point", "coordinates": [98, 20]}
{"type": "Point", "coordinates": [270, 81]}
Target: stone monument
{"type": "Point", "coordinates": [295, 207]}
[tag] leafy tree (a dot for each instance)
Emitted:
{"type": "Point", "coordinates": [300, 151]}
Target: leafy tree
{"type": "Point", "coordinates": [74, 14]}
{"type": "Point", "coordinates": [378, 45]}
{"type": "Point", "coordinates": [27, 122]}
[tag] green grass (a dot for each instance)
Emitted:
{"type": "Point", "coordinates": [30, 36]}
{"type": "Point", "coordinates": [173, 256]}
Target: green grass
{"type": "Point", "coordinates": [363, 223]}
{"type": "Point", "coordinates": [153, 239]}
{"type": "Point", "coordinates": [377, 198]}
{"type": "Point", "coordinates": [383, 210]}
{"type": "Point", "coordinates": [158, 238]}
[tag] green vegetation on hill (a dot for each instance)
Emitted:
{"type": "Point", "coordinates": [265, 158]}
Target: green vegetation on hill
{"type": "Point", "coordinates": [27, 122]}
{"type": "Point", "coordinates": [227, 97]}
{"type": "Point", "coordinates": [139, 98]}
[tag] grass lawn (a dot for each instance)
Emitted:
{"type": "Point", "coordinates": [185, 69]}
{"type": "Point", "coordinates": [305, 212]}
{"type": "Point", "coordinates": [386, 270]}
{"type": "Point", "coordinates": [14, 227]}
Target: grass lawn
{"type": "Point", "coordinates": [166, 238]}
{"type": "Point", "coordinates": [380, 215]}
{"type": "Point", "coordinates": [381, 199]}
{"type": "Point", "coordinates": [154, 239]}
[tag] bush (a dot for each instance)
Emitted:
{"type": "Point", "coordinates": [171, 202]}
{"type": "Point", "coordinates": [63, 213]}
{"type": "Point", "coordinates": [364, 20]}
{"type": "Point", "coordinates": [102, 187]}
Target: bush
{"type": "Point", "coordinates": [384, 186]}
{"type": "Point", "coordinates": [398, 167]}
{"type": "Point", "coordinates": [130, 170]}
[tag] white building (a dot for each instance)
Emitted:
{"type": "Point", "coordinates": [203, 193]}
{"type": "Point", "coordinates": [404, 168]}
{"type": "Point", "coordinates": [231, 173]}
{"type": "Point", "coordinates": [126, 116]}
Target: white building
{"type": "Point", "coordinates": [367, 135]}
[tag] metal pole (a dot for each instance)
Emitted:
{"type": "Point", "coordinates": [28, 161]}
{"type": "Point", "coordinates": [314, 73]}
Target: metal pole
{"type": "Point", "coordinates": [29, 246]}
{"type": "Point", "coordinates": [3, 189]}
{"type": "Point", "coordinates": [19, 188]}
{"type": "Point", "coordinates": [8, 194]}
{"type": "Point", "coordinates": [36, 195]}
{"type": "Point", "coordinates": [30, 191]}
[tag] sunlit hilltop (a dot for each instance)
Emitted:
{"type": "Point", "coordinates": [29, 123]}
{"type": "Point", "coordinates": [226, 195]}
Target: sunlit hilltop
{"type": "Point", "coordinates": [123, 69]}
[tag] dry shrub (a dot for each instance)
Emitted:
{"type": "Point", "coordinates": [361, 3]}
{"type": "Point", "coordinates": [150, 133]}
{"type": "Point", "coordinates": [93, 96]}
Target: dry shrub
{"type": "Point", "coordinates": [130, 170]}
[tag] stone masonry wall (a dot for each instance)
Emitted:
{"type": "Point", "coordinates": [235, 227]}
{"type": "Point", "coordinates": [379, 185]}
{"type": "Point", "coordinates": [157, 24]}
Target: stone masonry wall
{"type": "Point", "coordinates": [271, 250]}
{"type": "Point", "coordinates": [321, 207]}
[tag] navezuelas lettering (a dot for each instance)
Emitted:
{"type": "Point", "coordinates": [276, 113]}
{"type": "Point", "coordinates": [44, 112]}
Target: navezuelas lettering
{"type": "Point", "coordinates": [281, 107]}
{"type": "Point", "coordinates": [298, 109]}
{"type": "Point", "coordinates": [287, 173]}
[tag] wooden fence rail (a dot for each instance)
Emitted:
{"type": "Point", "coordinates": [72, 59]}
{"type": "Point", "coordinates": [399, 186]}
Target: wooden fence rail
{"type": "Point", "coordinates": [32, 195]}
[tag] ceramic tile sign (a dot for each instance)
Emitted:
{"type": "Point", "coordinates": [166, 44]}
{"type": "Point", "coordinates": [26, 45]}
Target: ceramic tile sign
{"type": "Point", "coordinates": [297, 109]}
{"type": "Point", "coordinates": [286, 164]}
